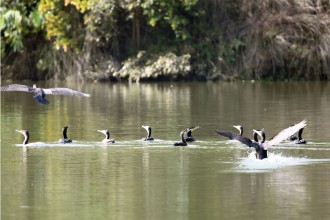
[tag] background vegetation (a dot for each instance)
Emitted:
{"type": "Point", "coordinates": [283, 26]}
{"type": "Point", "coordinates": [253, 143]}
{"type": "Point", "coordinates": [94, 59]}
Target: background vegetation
{"type": "Point", "coordinates": [165, 39]}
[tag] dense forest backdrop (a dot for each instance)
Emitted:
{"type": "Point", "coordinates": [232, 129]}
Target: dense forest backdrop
{"type": "Point", "coordinates": [165, 39]}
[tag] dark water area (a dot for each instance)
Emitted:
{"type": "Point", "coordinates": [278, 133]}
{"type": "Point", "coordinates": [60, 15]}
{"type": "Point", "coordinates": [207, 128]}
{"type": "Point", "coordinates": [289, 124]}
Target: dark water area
{"type": "Point", "coordinates": [211, 178]}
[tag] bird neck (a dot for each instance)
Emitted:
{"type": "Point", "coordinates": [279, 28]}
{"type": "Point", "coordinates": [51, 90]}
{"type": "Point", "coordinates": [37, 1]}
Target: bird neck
{"type": "Point", "coordinates": [26, 140]}
{"type": "Point", "coordinates": [182, 138]}
{"type": "Point", "coordinates": [255, 137]}
{"type": "Point", "coordinates": [241, 131]}
{"type": "Point", "coordinates": [189, 133]}
{"type": "Point", "coordinates": [263, 137]}
{"type": "Point", "coordinates": [107, 135]}
{"type": "Point", "coordinates": [149, 132]}
{"type": "Point", "coordinates": [300, 133]}
{"type": "Point", "coordinates": [64, 133]}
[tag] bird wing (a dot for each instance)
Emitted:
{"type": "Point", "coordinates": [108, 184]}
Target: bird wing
{"type": "Point", "coordinates": [285, 134]}
{"type": "Point", "coordinates": [234, 136]}
{"type": "Point", "coordinates": [17, 87]}
{"type": "Point", "coordinates": [64, 91]}
{"type": "Point", "coordinates": [227, 134]}
{"type": "Point", "coordinates": [244, 140]}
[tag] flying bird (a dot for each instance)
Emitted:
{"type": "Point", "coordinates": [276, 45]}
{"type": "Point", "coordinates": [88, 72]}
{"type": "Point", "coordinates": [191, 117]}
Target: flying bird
{"type": "Point", "coordinates": [40, 93]}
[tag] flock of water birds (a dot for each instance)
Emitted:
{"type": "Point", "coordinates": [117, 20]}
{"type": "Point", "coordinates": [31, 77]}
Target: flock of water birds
{"type": "Point", "coordinates": [260, 146]}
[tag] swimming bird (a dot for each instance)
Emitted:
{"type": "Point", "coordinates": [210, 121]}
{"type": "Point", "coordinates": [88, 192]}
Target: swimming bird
{"type": "Point", "coordinates": [230, 135]}
{"type": "Point", "coordinates": [65, 139]}
{"type": "Point", "coordinates": [300, 140]}
{"type": "Point", "coordinates": [189, 137]}
{"type": "Point", "coordinates": [26, 139]}
{"type": "Point", "coordinates": [40, 93]}
{"type": "Point", "coordinates": [183, 141]}
{"type": "Point", "coordinates": [148, 129]}
{"type": "Point", "coordinates": [107, 137]}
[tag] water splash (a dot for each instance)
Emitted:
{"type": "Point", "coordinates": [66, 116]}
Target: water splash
{"type": "Point", "coordinates": [274, 161]}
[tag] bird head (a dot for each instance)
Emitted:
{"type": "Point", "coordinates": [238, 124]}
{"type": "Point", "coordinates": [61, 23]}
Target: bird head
{"type": "Point", "coordinates": [238, 127]}
{"type": "Point", "coordinates": [24, 132]}
{"type": "Point", "coordinates": [147, 127]}
{"type": "Point", "coordinates": [105, 132]}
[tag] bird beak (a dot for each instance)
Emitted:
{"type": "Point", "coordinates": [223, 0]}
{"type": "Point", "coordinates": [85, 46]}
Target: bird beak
{"type": "Point", "coordinates": [194, 128]}
{"type": "Point", "coordinates": [20, 131]}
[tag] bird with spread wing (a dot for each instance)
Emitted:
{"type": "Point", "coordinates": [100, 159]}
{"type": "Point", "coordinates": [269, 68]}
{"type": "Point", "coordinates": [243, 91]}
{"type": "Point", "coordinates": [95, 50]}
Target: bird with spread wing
{"type": "Point", "coordinates": [40, 93]}
{"type": "Point", "coordinates": [261, 146]}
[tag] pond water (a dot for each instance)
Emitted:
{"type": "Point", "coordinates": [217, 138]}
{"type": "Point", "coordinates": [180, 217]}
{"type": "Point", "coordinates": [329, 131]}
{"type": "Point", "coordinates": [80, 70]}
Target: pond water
{"type": "Point", "coordinates": [212, 178]}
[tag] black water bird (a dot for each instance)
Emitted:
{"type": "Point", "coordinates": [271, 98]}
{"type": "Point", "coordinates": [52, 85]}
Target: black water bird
{"type": "Point", "coordinates": [300, 140]}
{"type": "Point", "coordinates": [107, 137]}
{"type": "Point", "coordinates": [261, 146]}
{"type": "Point", "coordinates": [189, 137]}
{"type": "Point", "coordinates": [65, 138]}
{"type": "Point", "coordinates": [230, 135]}
{"type": "Point", "coordinates": [297, 139]}
{"type": "Point", "coordinates": [40, 93]}
{"type": "Point", "coordinates": [183, 141]}
{"type": "Point", "coordinates": [148, 129]}
{"type": "Point", "coordinates": [26, 139]}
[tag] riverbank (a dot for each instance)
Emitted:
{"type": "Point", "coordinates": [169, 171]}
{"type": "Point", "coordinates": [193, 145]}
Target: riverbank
{"type": "Point", "coordinates": [165, 40]}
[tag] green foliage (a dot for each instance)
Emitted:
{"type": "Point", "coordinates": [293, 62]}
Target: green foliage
{"type": "Point", "coordinates": [64, 23]}
{"type": "Point", "coordinates": [176, 14]}
{"type": "Point", "coordinates": [11, 26]}
{"type": "Point", "coordinates": [229, 51]}
{"type": "Point", "coordinates": [17, 24]}
{"type": "Point", "coordinates": [257, 39]}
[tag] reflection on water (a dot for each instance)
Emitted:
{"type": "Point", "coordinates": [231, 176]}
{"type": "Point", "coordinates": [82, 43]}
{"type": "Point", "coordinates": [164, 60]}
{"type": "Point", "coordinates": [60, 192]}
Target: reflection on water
{"type": "Point", "coordinates": [212, 178]}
